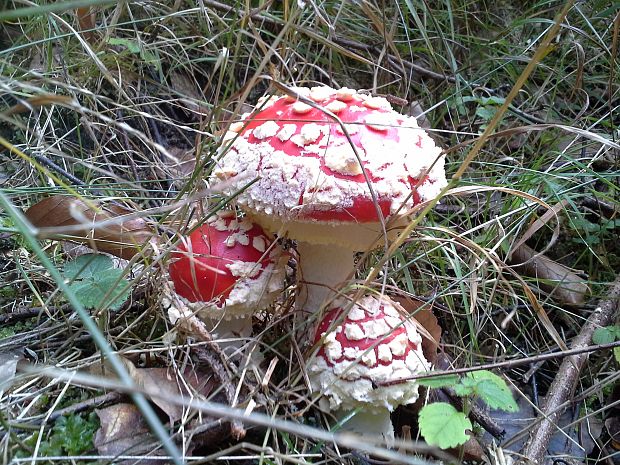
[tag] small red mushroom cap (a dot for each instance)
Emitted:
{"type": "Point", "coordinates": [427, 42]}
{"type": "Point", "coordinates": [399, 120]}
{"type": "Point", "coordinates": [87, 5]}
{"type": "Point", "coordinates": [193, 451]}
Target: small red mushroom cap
{"type": "Point", "coordinates": [310, 168]}
{"type": "Point", "coordinates": [373, 344]}
{"type": "Point", "coordinates": [227, 268]}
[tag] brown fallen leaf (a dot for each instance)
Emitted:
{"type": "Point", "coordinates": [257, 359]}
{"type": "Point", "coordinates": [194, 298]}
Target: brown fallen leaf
{"type": "Point", "coordinates": [564, 285]}
{"type": "Point", "coordinates": [163, 382]}
{"type": "Point", "coordinates": [123, 431]}
{"type": "Point", "coordinates": [103, 227]}
{"type": "Point", "coordinates": [28, 104]}
{"type": "Point", "coordinates": [612, 422]}
{"type": "Point", "coordinates": [86, 21]}
{"type": "Point", "coordinates": [423, 314]}
{"type": "Point", "coordinates": [470, 451]}
{"type": "Point", "coordinates": [553, 212]}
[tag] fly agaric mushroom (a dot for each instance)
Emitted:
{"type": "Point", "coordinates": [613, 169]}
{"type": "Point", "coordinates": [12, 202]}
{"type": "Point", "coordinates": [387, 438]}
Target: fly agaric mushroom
{"type": "Point", "coordinates": [310, 183]}
{"type": "Point", "coordinates": [371, 345]}
{"type": "Point", "coordinates": [226, 271]}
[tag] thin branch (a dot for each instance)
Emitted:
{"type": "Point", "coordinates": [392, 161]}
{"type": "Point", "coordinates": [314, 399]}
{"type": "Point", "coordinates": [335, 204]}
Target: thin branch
{"type": "Point", "coordinates": [564, 384]}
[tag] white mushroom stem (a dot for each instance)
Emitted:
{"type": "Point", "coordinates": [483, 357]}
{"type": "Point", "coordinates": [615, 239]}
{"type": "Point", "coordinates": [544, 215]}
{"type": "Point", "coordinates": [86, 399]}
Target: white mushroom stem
{"type": "Point", "coordinates": [370, 423]}
{"type": "Point", "coordinates": [322, 268]}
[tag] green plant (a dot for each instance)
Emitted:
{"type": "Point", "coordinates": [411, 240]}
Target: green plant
{"type": "Point", "coordinates": [71, 435]}
{"type": "Point", "coordinates": [444, 426]}
{"type": "Point", "coordinates": [96, 283]}
{"type": "Point", "coordinates": [607, 335]}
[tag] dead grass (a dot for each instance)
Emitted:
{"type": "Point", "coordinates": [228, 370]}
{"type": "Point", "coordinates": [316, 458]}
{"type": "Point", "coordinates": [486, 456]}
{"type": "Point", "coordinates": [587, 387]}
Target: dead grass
{"type": "Point", "coordinates": [155, 82]}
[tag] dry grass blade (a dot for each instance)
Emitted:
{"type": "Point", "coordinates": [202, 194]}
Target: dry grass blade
{"type": "Point", "coordinates": [540, 222]}
{"type": "Point", "coordinates": [104, 227]}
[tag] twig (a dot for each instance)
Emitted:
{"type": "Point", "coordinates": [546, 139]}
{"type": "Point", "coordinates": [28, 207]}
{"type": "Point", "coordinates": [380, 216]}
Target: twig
{"type": "Point", "coordinates": [20, 315]}
{"type": "Point", "coordinates": [508, 363]}
{"type": "Point", "coordinates": [98, 401]}
{"type": "Point", "coordinates": [212, 358]}
{"type": "Point", "coordinates": [58, 170]}
{"type": "Point", "coordinates": [476, 414]}
{"type": "Point", "coordinates": [564, 384]}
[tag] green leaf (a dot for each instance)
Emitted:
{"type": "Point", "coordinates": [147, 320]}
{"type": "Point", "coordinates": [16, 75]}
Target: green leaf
{"type": "Point", "coordinates": [606, 334]}
{"type": "Point", "coordinates": [96, 283]}
{"type": "Point", "coordinates": [486, 113]}
{"type": "Point", "coordinates": [134, 47]}
{"type": "Point", "coordinates": [492, 100]}
{"type": "Point", "coordinates": [71, 435]}
{"type": "Point", "coordinates": [436, 382]}
{"type": "Point", "coordinates": [88, 266]}
{"type": "Point", "coordinates": [489, 387]}
{"type": "Point", "coordinates": [617, 354]}
{"type": "Point", "coordinates": [443, 426]}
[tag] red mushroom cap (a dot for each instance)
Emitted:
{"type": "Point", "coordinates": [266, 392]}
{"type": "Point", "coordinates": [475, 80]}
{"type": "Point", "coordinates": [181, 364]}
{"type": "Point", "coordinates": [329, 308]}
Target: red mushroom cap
{"type": "Point", "coordinates": [373, 344]}
{"type": "Point", "coordinates": [226, 265]}
{"type": "Point", "coordinates": [308, 171]}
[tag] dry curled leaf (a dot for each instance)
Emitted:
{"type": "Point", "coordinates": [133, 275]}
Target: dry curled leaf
{"type": "Point", "coordinates": [123, 431]}
{"type": "Point", "coordinates": [167, 387]}
{"type": "Point", "coordinates": [29, 104]}
{"type": "Point", "coordinates": [563, 284]}
{"type": "Point", "coordinates": [574, 437]}
{"type": "Point", "coordinates": [103, 227]}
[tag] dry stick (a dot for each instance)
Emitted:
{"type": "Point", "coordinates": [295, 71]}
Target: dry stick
{"type": "Point", "coordinates": [212, 357]}
{"type": "Point", "coordinates": [87, 404]}
{"type": "Point", "coordinates": [476, 414]}
{"type": "Point", "coordinates": [564, 384]}
{"type": "Point", "coordinates": [20, 315]}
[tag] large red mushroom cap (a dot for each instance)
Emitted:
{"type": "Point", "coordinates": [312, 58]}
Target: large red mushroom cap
{"type": "Point", "coordinates": [372, 344]}
{"type": "Point", "coordinates": [227, 268]}
{"type": "Point", "coordinates": [308, 169]}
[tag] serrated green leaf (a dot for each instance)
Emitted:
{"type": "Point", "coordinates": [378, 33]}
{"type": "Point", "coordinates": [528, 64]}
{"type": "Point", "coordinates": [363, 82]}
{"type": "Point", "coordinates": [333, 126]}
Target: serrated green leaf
{"type": "Point", "coordinates": [490, 388]}
{"type": "Point", "coordinates": [88, 266]}
{"type": "Point", "coordinates": [72, 435]}
{"type": "Point", "coordinates": [96, 283]}
{"type": "Point", "coordinates": [443, 426]}
{"type": "Point", "coordinates": [436, 382]}
{"type": "Point", "coordinates": [606, 334]}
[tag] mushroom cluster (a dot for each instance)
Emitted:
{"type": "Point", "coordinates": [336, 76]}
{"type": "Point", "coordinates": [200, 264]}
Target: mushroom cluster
{"type": "Point", "coordinates": [363, 361]}
{"type": "Point", "coordinates": [331, 175]}
{"type": "Point", "coordinates": [337, 171]}
{"type": "Point", "coordinates": [226, 271]}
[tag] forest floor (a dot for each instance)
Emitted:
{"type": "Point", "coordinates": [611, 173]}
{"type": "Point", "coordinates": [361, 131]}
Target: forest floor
{"type": "Point", "coordinates": [120, 108]}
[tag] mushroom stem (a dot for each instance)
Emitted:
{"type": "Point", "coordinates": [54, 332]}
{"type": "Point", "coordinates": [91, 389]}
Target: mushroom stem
{"type": "Point", "coordinates": [322, 268]}
{"type": "Point", "coordinates": [375, 423]}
